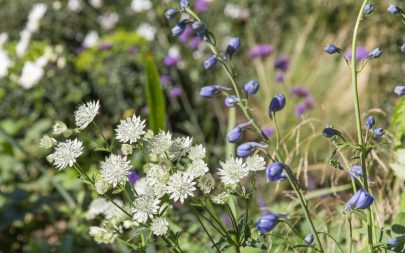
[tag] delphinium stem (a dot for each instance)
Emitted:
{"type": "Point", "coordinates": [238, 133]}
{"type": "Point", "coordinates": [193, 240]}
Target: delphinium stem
{"type": "Point", "coordinates": [370, 225]}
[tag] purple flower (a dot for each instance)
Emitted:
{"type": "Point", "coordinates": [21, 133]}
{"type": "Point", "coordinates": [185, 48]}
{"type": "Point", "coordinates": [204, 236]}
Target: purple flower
{"type": "Point", "coordinates": [361, 53]}
{"type": "Point", "coordinates": [370, 122]}
{"type": "Point", "coordinates": [231, 101]}
{"type": "Point", "coordinates": [300, 91]}
{"type": "Point", "coordinates": [233, 46]}
{"type": "Point", "coordinates": [376, 53]}
{"type": "Point", "coordinates": [133, 50]}
{"type": "Point", "coordinates": [261, 51]}
{"type": "Point", "coordinates": [251, 87]}
{"type": "Point", "coordinates": [268, 131]}
{"type": "Point", "coordinates": [330, 132]}
{"type": "Point", "coordinates": [393, 9]}
{"type": "Point", "coordinates": [276, 172]}
{"type": "Point", "coordinates": [211, 91]}
{"type": "Point", "coordinates": [171, 60]}
{"type": "Point", "coordinates": [332, 49]}
{"type": "Point", "coordinates": [165, 80]}
{"type": "Point", "coordinates": [236, 134]}
{"type": "Point", "coordinates": [194, 42]}
{"type": "Point", "coordinates": [301, 108]}
{"type": "Point", "coordinates": [202, 6]}
{"type": "Point", "coordinates": [360, 200]}
{"type": "Point", "coordinates": [393, 242]}
{"type": "Point", "coordinates": [176, 92]}
{"type": "Point", "coordinates": [277, 103]}
{"type": "Point", "coordinates": [171, 13]}
{"type": "Point", "coordinates": [247, 148]}
{"type": "Point", "coordinates": [186, 34]}
{"type": "Point", "coordinates": [309, 239]}
{"type": "Point", "coordinates": [400, 90]}
{"type": "Point", "coordinates": [198, 26]}
{"type": "Point", "coordinates": [183, 3]}
{"type": "Point", "coordinates": [356, 172]}
{"type": "Point", "coordinates": [368, 9]}
{"type": "Point", "coordinates": [133, 177]}
{"type": "Point", "coordinates": [266, 223]}
{"type": "Point", "coordinates": [282, 63]}
{"type": "Point", "coordinates": [105, 46]}
{"type": "Point", "coordinates": [279, 77]}
{"type": "Point", "coordinates": [210, 62]}
{"type": "Point", "coordinates": [378, 132]}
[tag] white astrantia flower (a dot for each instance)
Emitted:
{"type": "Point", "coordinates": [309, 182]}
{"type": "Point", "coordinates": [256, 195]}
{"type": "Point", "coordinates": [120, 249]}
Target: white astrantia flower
{"type": "Point", "coordinates": [180, 186]}
{"type": "Point", "coordinates": [160, 144]}
{"type": "Point", "coordinates": [206, 183]}
{"type": "Point", "coordinates": [159, 189]}
{"type": "Point", "coordinates": [232, 171]}
{"type": "Point", "coordinates": [97, 206]}
{"type": "Point", "coordinates": [197, 168]}
{"type": "Point", "coordinates": [66, 153]}
{"type": "Point", "coordinates": [142, 187]}
{"type": "Point", "coordinates": [47, 142]}
{"type": "Point", "coordinates": [85, 114]}
{"type": "Point", "coordinates": [147, 31]}
{"type": "Point", "coordinates": [91, 39]}
{"type": "Point", "coordinates": [180, 147]}
{"type": "Point", "coordinates": [130, 130]}
{"type": "Point", "coordinates": [145, 207]}
{"type": "Point", "coordinates": [102, 235]}
{"type": "Point", "coordinates": [255, 163]}
{"type": "Point", "coordinates": [115, 169]}
{"type": "Point", "coordinates": [126, 149]}
{"type": "Point", "coordinates": [157, 174]}
{"type": "Point", "coordinates": [59, 127]}
{"type": "Point", "coordinates": [5, 61]}
{"type": "Point", "coordinates": [220, 198]}
{"type": "Point", "coordinates": [141, 5]}
{"type": "Point", "coordinates": [159, 226]}
{"type": "Point", "coordinates": [196, 152]}
{"type": "Point", "coordinates": [101, 186]}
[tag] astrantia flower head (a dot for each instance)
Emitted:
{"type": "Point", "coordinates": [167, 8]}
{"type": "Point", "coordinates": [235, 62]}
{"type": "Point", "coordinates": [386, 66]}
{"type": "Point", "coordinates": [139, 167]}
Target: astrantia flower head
{"type": "Point", "coordinates": [85, 114]}
{"type": "Point", "coordinates": [59, 127]}
{"type": "Point", "coordinates": [156, 174]}
{"type": "Point", "coordinates": [115, 169]}
{"type": "Point", "coordinates": [360, 200]}
{"type": "Point", "coordinates": [130, 130]}
{"type": "Point", "coordinates": [232, 171]}
{"type": "Point", "coordinates": [66, 153]}
{"type": "Point", "coordinates": [196, 152]}
{"type": "Point", "coordinates": [220, 198]}
{"type": "Point", "coordinates": [255, 163]}
{"type": "Point", "coordinates": [180, 186]}
{"type": "Point", "coordinates": [159, 226]}
{"type": "Point", "coordinates": [102, 235]}
{"type": "Point", "coordinates": [197, 169]}
{"type": "Point", "coordinates": [206, 183]}
{"type": "Point", "coordinates": [144, 207]}
{"type": "Point", "coordinates": [101, 186]}
{"type": "Point", "coordinates": [180, 147]}
{"type": "Point", "coordinates": [160, 144]}
{"type": "Point", "coordinates": [47, 142]}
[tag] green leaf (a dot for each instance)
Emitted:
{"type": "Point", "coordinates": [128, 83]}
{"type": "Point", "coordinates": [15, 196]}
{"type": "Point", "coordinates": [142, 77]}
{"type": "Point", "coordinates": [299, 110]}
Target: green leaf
{"type": "Point", "coordinates": [154, 97]}
{"type": "Point", "coordinates": [398, 225]}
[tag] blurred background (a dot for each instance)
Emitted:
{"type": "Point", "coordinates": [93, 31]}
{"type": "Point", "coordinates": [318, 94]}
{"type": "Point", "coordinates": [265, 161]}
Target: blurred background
{"type": "Point", "coordinates": [81, 50]}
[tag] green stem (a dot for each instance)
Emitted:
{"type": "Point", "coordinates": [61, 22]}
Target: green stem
{"type": "Point", "coordinates": [206, 231]}
{"type": "Point", "coordinates": [349, 218]}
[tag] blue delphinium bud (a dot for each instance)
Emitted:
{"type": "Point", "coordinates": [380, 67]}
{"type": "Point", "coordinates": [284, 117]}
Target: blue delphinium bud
{"type": "Point", "coordinates": [400, 90]}
{"type": "Point", "coordinates": [393, 9]}
{"type": "Point", "coordinates": [171, 13]}
{"type": "Point", "coordinates": [277, 103]}
{"type": "Point", "coordinates": [198, 26]}
{"type": "Point", "coordinates": [178, 29]}
{"type": "Point", "coordinates": [330, 132]}
{"type": "Point", "coordinates": [210, 62]}
{"type": "Point", "coordinates": [332, 49]}
{"type": "Point", "coordinates": [233, 46]}
{"type": "Point", "coordinates": [236, 134]}
{"type": "Point", "coordinates": [210, 91]}
{"type": "Point", "coordinates": [378, 132]}
{"type": "Point", "coordinates": [247, 148]}
{"type": "Point", "coordinates": [266, 223]}
{"type": "Point", "coordinates": [309, 239]}
{"type": "Point", "coordinates": [231, 101]}
{"type": "Point", "coordinates": [376, 53]}
{"type": "Point", "coordinates": [275, 172]}
{"type": "Point", "coordinates": [368, 9]}
{"type": "Point", "coordinates": [360, 200]}
{"type": "Point", "coordinates": [370, 122]}
{"type": "Point", "coordinates": [356, 172]}
{"type": "Point", "coordinates": [393, 242]}
{"type": "Point", "coordinates": [251, 87]}
{"type": "Point", "coordinates": [183, 3]}
{"type": "Point", "coordinates": [402, 48]}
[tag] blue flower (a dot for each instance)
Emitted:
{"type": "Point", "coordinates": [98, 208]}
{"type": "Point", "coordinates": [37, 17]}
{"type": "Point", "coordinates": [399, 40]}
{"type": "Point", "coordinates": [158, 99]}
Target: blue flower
{"type": "Point", "coordinates": [266, 223]}
{"type": "Point", "coordinates": [178, 29]}
{"type": "Point", "coordinates": [198, 27]}
{"type": "Point", "coordinates": [251, 87]}
{"type": "Point", "coordinates": [376, 53]}
{"type": "Point", "coordinates": [210, 91]}
{"type": "Point", "coordinates": [378, 132]}
{"type": "Point", "coordinates": [360, 200]}
{"type": "Point", "coordinates": [393, 242]}
{"type": "Point", "coordinates": [400, 90]}
{"type": "Point", "coordinates": [233, 46]}
{"type": "Point", "coordinates": [276, 172]}
{"type": "Point", "coordinates": [277, 103]}
{"type": "Point", "coordinates": [393, 9]}
{"type": "Point", "coordinates": [236, 134]}
{"type": "Point", "coordinates": [370, 122]}
{"type": "Point", "coordinates": [210, 62]}
{"type": "Point", "coordinates": [402, 48]}
{"type": "Point", "coordinates": [183, 3]}
{"type": "Point", "coordinates": [356, 172]}
{"type": "Point", "coordinates": [231, 101]}
{"type": "Point", "coordinates": [330, 132]}
{"type": "Point", "coordinates": [368, 9]}
{"type": "Point", "coordinates": [171, 13]}
{"type": "Point", "coordinates": [332, 49]}
{"type": "Point", "coordinates": [247, 148]}
{"type": "Point", "coordinates": [309, 239]}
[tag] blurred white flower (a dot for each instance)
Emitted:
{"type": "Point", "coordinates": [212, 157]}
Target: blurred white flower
{"type": "Point", "coordinates": [90, 40]}
{"type": "Point", "coordinates": [236, 12]}
{"type": "Point", "coordinates": [180, 186]}
{"type": "Point", "coordinates": [232, 171]}
{"type": "Point", "coordinates": [47, 142]}
{"type": "Point", "coordinates": [145, 207]}
{"type": "Point", "coordinates": [75, 5]}
{"type": "Point", "coordinates": [130, 130]}
{"type": "Point", "coordinates": [5, 63]}
{"type": "Point", "coordinates": [141, 5]}
{"type": "Point", "coordinates": [31, 75]}
{"type": "Point", "coordinates": [108, 20]}
{"type": "Point", "coordinates": [159, 226]}
{"type": "Point", "coordinates": [102, 235]}
{"type": "Point", "coordinates": [115, 169]}
{"type": "Point", "coordinates": [85, 113]}
{"type": "Point", "coordinates": [101, 186]}
{"type": "Point", "coordinates": [255, 163]}
{"type": "Point", "coordinates": [96, 3]}
{"type": "Point", "coordinates": [66, 153]}
{"type": "Point", "coordinates": [147, 31]}
{"type": "Point", "coordinates": [59, 127]}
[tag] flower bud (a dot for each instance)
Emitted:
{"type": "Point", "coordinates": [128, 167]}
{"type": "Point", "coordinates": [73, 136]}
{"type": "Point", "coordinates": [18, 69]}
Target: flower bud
{"type": "Point", "coordinates": [400, 90]}
{"type": "Point", "coordinates": [251, 87]}
{"type": "Point", "coordinates": [376, 53]}
{"type": "Point", "coordinates": [266, 223]}
{"type": "Point", "coordinates": [198, 26]}
{"type": "Point", "coordinates": [236, 134]}
{"type": "Point", "coordinates": [393, 242]}
{"type": "Point", "coordinates": [47, 142]}
{"type": "Point", "coordinates": [393, 9]}
{"type": "Point", "coordinates": [332, 49]}
{"type": "Point", "coordinates": [211, 62]}
{"type": "Point", "coordinates": [171, 13]}
{"type": "Point", "coordinates": [126, 149]}
{"type": "Point", "coordinates": [277, 103]}
{"type": "Point", "coordinates": [356, 172]}
{"type": "Point", "coordinates": [275, 172]}
{"type": "Point", "coordinates": [179, 28]}
{"type": "Point", "coordinates": [370, 122]}
{"type": "Point", "coordinates": [378, 132]}
{"type": "Point", "coordinates": [233, 46]}
{"type": "Point", "coordinates": [330, 132]}
{"type": "Point", "coordinates": [231, 101]}
{"type": "Point", "coordinates": [183, 3]}
{"type": "Point", "coordinates": [210, 91]}
{"type": "Point", "coordinates": [247, 148]}
{"type": "Point", "coordinates": [309, 239]}
{"type": "Point", "coordinates": [402, 48]}
{"type": "Point", "coordinates": [368, 9]}
{"type": "Point", "coordinates": [59, 127]}
{"type": "Point", "coordinates": [360, 200]}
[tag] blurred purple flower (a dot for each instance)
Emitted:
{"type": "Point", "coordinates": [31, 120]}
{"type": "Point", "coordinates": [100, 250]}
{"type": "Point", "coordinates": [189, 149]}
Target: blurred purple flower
{"type": "Point", "coordinates": [145, 110]}
{"type": "Point", "coordinates": [194, 42]}
{"type": "Point", "coordinates": [226, 219]}
{"type": "Point", "coordinates": [165, 80]}
{"type": "Point", "coordinates": [268, 131]}
{"type": "Point", "coordinates": [300, 91]}
{"type": "Point", "coordinates": [202, 5]}
{"type": "Point", "coordinates": [176, 92]}
{"type": "Point", "coordinates": [261, 51]}
{"type": "Point", "coordinates": [171, 61]}
{"type": "Point", "coordinates": [301, 108]}
{"type": "Point", "coordinates": [361, 53]}
{"type": "Point", "coordinates": [133, 177]}
{"type": "Point", "coordinates": [133, 50]}
{"type": "Point", "coordinates": [282, 63]}
{"type": "Point", "coordinates": [105, 46]}
{"type": "Point", "coordinates": [279, 77]}
{"type": "Point", "coordinates": [186, 34]}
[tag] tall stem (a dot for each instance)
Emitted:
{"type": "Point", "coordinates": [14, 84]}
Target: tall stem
{"type": "Point", "coordinates": [370, 226]}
